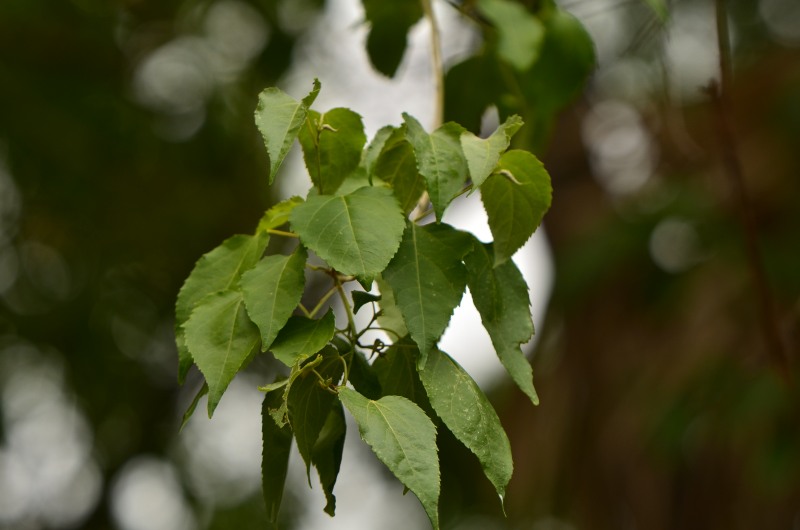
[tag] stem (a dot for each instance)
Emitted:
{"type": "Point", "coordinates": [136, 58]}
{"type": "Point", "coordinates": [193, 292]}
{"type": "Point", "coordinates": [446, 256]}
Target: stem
{"type": "Point", "coordinates": [723, 107]}
{"type": "Point", "coordinates": [281, 233]}
{"type": "Point", "coordinates": [321, 302]}
{"type": "Point", "coordinates": [436, 62]}
{"type": "Point", "coordinates": [350, 323]}
{"type": "Point", "coordinates": [304, 310]}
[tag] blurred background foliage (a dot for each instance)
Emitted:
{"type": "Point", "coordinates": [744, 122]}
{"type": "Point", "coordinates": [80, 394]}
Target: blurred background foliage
{"type": "Point", "coordinates": [128, 149]}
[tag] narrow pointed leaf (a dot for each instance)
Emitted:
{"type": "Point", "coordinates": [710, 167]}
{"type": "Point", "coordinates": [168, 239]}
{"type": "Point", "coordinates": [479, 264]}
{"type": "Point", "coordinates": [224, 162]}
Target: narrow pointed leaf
{"type": "Point", "coordinates": [332, 144]}
{"type": "Point", "coordinates": [356, 234]}
{"type": "Point", "coordinates": [280, 414]}
{"type": "Point", "coordinates": [302, 337]}
{"type": "Point", "coordinates": [520, 33]}
{"type": "Point", "coordinates": [440, 160]}
{"type": "Point", "coordinates": [390, 22]}
{"type": "Point", "coordinates": [428, 280]}
{"type": "Point", "coordinates": [272, 290]}
{"type": "Point", "coordinates": [501, 297]}
{"type": "Point", "coordinates": [466, 411]}
{"type": "Point", "coordinates": [279, 118]}
{"type": "Point", "coordinates": [327, 454]}
{"type": "Point", "coordinates": [221, 338]}
{"type": "Point", "coordinates": [217, 270]}
{"type": "Point", "coordinates": [397, 166]}
{"type": "Point", "coordinates": [483, 155]}
{"type": "Point", "coordinates": [404, 439]}
{"type": "Point", "coordinates": [277, 442]}
{"type": "Point", "coordinates": [515, 198]}
{"type": "Point", "coordinates": [279, 214]}
{"type": "Point", "coordinates": [309, 403]}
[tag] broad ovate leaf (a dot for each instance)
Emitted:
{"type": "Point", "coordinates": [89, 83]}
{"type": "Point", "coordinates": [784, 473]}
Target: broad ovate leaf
{"type": "Point", "coordinates": [272, 290]}
{"type": "Point", "coordinates": [221, 338]}
{"type": "Point", "coordinates": [515, 198]}
{"type": "Point", "coordinates": [279, 118]}
{"type": "Point", "coordinates": [404, 439]}
{"type": "Point", "coordinates": [520, 33]}
{"type": "Point", "coordinates": [428, 280]}
{"type": "Point", "coordinates": [277, 443]}
{"type": "Point", "coordinates": [332, 144]}
{"type": "Point", "coordinates": [484, 154]}
{"type": "Point", "coordinates": [327, 454]}
{"type": "Point", "coordinates": [466, 411]}
{"type": "Point", "coordinates": [373, 150]}
{"type": "Point", "coordinates": [302, 337]}
{"type": "Point", "coordinates": [501, 296]}
{"type": "Point", "coordinates": [440, 160]}
{"type": "Point", "coordinates": [397, 166]}
{"type": "Point", "coordinates": [356, 234]}
{"type": "Point", "coordinates": [278, 214]}
{"type": "Point", "coordinates": [217, 270]}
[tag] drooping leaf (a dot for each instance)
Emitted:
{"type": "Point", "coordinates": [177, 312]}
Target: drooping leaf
{"type": "Point", "coordinates": [390, 317]}
{"type": "Point", "coordinates": [279, 214]}
{"type": "Point", "coordinates": [356, 234]}
{"type": "Point", "coordinates": [466, 411]}
{"type": "Point", "coordinates": [193, 405]}
{"type": "Point", "coordinates": [309, 403]}
{"type": "Point", "coordinates": [277, 442]}
{"type": "Point", "coordinates": [363, 377]}
{"type": "Point", "coordinates": [404, 439]}
{"type": "Point", "coordinates": [217, 270]}
{"type": "Point", "coordinates": [280, 414]}
{"type": "Point", "coordinates": [327, 454]}
{"type": "Point", "coordinates": [272, 290]}
{"type": "Point", "coordinates": [428, 280]}
{"type": "Point", "coordinates": [332, 143]}
{"type": "Point", "coordinates": [390, 22]}
{"type": "Point", "coordinates": [519, 32]}
{"type": "Point", "coordinates": [221, 338]}
{"type": "Point", "coordinates": [360, 298]}
{"type": "Point", "coordinates": [483, 155]}
{"type": "Point", "coordinates": [516, 198]}
{"type": "Point", "coordinates": [397, 166]}
{"type": "Point", "coordinates": [302, 337]}
{"type": "Point", "coordinates": [397, 373]}
{"type": "Point", "coordinates": [440, 160]}
{"type": "Point", "coordinates": [501, 296]}
{"type": "Point", "coordinates": [279, 118]}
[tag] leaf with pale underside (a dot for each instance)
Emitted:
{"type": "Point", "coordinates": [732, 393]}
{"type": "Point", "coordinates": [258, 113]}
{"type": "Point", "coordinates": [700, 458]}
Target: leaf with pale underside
{"type": "Point", "coordinates": [332, 143]}
{"type": "Point", "coordinates": [279, 118]}
{"type": "Point", "coordinates": [397, 166]}
{"type": "Point", "coordinates": [440, 160]}
{"type": "Point", "coordinates": [217, 270]}
{"type": "Point", "coordinates": [278, 214]}
{"type": "Point", "coordinates": [277, 443]}
{"type": "Point", "coordinates": [404, 439]}
{"type": "Point", "coordinates": [302, 337]}
{"type": "Point", "coordinates": [466, 411]}
{"type": "Point", "coordinates": [484, 154]}
{"type": "Point", "coordinates": [515, 197]}
{"type": "Point", "coordinates": [272, 291]}
{"type": "Point", "coordinates": [221, 338]}
{"type": "Point", "coordinates": [501, 296]}
{"type": "Point", "coordinates": [428, 280]}
{"type": "Point", "coordinates": [356, 234]}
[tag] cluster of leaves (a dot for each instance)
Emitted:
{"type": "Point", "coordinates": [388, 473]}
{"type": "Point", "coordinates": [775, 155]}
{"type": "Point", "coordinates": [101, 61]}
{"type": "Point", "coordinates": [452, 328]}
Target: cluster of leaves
{"type": "Point", "coordinates": [363, 221]}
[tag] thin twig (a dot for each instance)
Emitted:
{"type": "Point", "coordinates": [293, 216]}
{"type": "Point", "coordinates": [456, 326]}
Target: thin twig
{"type": "Point", "coordinates": [436, 62]}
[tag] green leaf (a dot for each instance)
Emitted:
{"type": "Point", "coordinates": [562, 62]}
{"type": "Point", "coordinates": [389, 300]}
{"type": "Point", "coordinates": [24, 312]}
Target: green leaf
{"type": "Point", "coordinates": [440, 160]}
{"type": "Point", "coordinates": [360, 298]}
{"type": "Point", "coordinates": [277, 442]}
{"type": "Point", "coordinates": [217, 270]}
{"type": "Point", "coordinates": [483, 155]}
{"type": "Point", "coordinates": [356, 234]}
{"type": "Point", "coordinates": [404, 439]}
{"type": "Point", "coordinates": [279, 214]}
{"type": "Point", "coordinates": [279, 118]}
{"type": "Point", "coordinates": [387, 38]}
{"type": "Point", "coordinates": [397, 373]}
{"type": "Point", "coordinates": [390, 317]}
{"type": "Point", "coordinates": [375, 147]}
{"type": "Point", "coordinates": [332, 143]}
{"type": "Point", "coordinates": [363, 377]}
{"type": "Point", "coordinates": [470, 87]}
{"type": "Point", "coordinates": [520, 34]}
{"type": "Point", "coordinates": [501, 296]}
{"type": "Point", "coordinates": [397, 166]}
{"type": "Point", "coordinates": [659, 7]}
{"type": "Point", "coordinates": [272, 290]}
{"type": "Point", "coordinates": [516, 198]}
{"type": "Point", "coordinates": [221, 338]}
{"type": "Point", "coordinates": [193, 405]}
{"type": "Point", "coordinates": [327, 454]}
{"type": "Point", "coordinates": [428, 280]}
{"type": "Point", "coordinates": [302, 337]}
{"type": "Point", "coordinates": [281, 414]}
{"type": "Point", "coordinates": [466, 411]}
{"type": "Point", "coordinates": [309, 403]}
